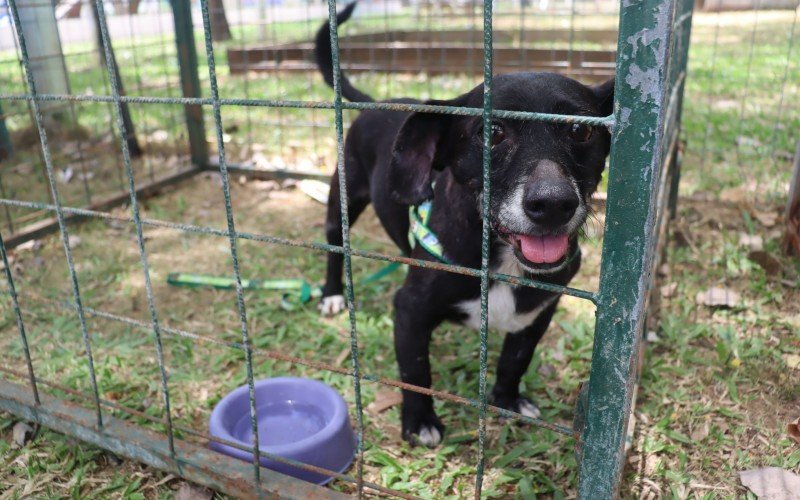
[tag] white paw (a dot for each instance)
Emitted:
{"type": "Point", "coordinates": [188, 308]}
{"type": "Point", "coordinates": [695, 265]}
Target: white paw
{"type": "Point", "coordinates": [528, 409]}
{"type": "Point", "coordinates": [429, 436]}
{"type": "Point", "coordinates": [332, 305]}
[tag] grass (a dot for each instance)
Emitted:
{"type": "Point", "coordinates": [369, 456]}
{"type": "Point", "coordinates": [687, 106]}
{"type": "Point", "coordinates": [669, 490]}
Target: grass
{"type": "Point", "coordinates": [716, 391]}
{"type": "Point", "coordinates": [741, 115]}
{"type": "Point", "coordinates": [58, 467]}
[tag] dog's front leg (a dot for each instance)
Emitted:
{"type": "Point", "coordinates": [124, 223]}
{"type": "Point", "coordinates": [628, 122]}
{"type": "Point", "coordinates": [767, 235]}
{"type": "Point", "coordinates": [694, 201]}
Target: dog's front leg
{"type": "Point", "coordinates": [413, 326]}
{"type": "Point", "coordinates": [518, 348]}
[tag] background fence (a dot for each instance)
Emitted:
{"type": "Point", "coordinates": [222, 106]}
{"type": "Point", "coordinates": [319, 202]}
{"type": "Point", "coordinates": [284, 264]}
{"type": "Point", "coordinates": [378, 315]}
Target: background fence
{"type": "Point", "coordinates": [744, 106]}
{"type": "Point", "coordinates": [270, 119]}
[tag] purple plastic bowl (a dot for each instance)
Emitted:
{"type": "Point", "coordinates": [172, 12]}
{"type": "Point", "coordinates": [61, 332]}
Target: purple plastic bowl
{"type": "Point", "coordinates": [298, 418]}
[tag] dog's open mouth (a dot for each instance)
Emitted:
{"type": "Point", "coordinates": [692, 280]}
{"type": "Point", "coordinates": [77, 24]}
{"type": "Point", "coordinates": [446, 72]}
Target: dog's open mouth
{"type": "Point", "coordinates": [542, 251]}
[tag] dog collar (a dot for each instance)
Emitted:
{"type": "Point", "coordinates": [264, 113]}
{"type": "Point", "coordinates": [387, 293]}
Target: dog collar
{"type": "Point", "coordinates": [420, 233]}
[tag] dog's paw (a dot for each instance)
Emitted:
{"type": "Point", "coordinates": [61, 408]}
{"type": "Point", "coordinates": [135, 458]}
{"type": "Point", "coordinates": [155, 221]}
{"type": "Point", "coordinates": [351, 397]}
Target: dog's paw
{"type": "Point", "coordinates": [332, 305]}
{"type": "Point", "coordinates": [528, 409]}
{"type": "Point", "coordinates": [520, 404]}
{"type": "Point", "coordinates": [429, 432]}
{"type": "Point", "coordinates": [429, 436]}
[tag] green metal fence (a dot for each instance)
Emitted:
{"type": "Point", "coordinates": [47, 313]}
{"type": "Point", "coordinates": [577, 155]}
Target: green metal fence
{"type": "Point", "coordinates": [644, 165]}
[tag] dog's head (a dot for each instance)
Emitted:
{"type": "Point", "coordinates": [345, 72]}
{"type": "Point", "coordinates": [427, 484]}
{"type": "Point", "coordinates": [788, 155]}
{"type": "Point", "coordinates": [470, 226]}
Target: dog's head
{"type": "Point", "coordinates": [542, 173]}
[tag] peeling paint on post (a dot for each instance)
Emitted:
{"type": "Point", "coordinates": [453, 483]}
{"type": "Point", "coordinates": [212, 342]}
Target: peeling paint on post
{"type": "Point", "coordinates": [636, 160]}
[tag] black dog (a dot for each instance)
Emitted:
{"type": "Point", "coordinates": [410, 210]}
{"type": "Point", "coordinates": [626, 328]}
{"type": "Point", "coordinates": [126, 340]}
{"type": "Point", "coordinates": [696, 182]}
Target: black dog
{"type": "Point", "coordinates": [542, 177]}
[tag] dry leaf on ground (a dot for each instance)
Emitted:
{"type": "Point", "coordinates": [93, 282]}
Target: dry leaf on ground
{"type": "Point", "coordinates": [791, 360]}
{"type": "Point", "coordinates": [767, 219]}
{"type": "Point", "coordinates": [718, 297]}
{"type": "Point", "coordinates": [546, 370]}
{"type": "Point", "coordinates": [772, 483]}
{"type": "Point", "coordinates": [265, 185]}
{"type": "Point", "coordinates": [29, 245]}
{"type": "Point", "coordinates": [681, 237]}
{"type": "Point", "coordinates": [767, 261]}
{"type": "Point", "coordinates": [316, 190]}
{"type": "Point", "coordinates": [112, 459]}
{"type": "Point", "coordinates": [794, 430]}
{"type": "Point", "coordinates": [21, 433]}
{"type": "Point", "coordinates": [751, 241]}
{"type": "Point", "coordinates": [700, 432]}
{"type": "Point", "coordinates": [384, 399]}
{"type": "Point", "coordinates": [188, 491]}
{"type": "Point", "coordinates": [669, 290]}
{"type": "Point", "coordinates": [734, 195]}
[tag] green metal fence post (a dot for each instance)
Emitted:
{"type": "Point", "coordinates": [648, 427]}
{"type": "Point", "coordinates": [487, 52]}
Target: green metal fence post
{"type": "Point", "coordinates": [682, 58]}
{"type": "Point", "coordinates": [190, 79]}
{"type": "Point", "coordinates": [675, 181]}
{"type": "Point", "coordinates": [641, 96]}
{"type": "Point", "coordinates": [5, 139]}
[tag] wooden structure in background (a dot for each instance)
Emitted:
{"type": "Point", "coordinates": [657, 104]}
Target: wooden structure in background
{"type": "Point", "coordinates": [731, 5]}
{"type": "Point", "coordinates": [444, 52]}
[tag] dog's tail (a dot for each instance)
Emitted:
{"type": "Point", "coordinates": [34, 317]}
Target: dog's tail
{"type": "Point", "coordinates": [322, 51]}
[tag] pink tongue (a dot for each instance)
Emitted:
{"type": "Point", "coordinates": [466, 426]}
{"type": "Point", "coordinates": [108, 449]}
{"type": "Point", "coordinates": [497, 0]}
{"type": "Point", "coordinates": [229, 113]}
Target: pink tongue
{"type": "Point", "coordinates": [544, 249]}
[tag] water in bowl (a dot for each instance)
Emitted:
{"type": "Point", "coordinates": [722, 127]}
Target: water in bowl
{"type": "Point", "coordinates": [282, 422]}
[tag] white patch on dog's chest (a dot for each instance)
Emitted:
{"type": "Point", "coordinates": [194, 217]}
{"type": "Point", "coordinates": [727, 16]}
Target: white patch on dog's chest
{"type": "Point", "coordinates": [503, 313]}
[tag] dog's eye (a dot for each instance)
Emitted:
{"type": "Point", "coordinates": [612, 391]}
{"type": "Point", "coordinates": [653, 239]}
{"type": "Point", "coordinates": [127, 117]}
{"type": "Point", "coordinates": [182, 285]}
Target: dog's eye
{"type": "Point", "coordinates": [580, 132]}
{"type": "Point", "coordinates": [498, 134]}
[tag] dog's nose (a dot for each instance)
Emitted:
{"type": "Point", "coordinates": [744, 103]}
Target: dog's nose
{"type": "Point", "coordinates": [550, 204]}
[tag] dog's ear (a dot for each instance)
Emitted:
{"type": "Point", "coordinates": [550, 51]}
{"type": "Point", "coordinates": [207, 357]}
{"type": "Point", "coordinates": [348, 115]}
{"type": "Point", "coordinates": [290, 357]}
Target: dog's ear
{"type": "Point", "coordinates": [604, 93]}
{"type": "Point", "coordinates": [414, 154]}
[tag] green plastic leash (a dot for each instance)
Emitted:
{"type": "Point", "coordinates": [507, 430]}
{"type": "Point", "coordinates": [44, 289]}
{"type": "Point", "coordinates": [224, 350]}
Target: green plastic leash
{"type": "Point", "coordinates": [298, 291]}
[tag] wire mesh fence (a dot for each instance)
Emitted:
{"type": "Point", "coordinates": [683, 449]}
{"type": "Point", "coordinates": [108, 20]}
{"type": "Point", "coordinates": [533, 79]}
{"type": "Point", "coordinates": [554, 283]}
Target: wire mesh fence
{"type": "Point", "coordinates": [744, 111]}
{"type": "Point", "coordinates": [271, 117]}
{"type": "Point", "coordinates": [90, 166]}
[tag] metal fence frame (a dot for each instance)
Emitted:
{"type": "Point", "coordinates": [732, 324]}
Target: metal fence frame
{"type": "Point", "coordinates": [651, 67]}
